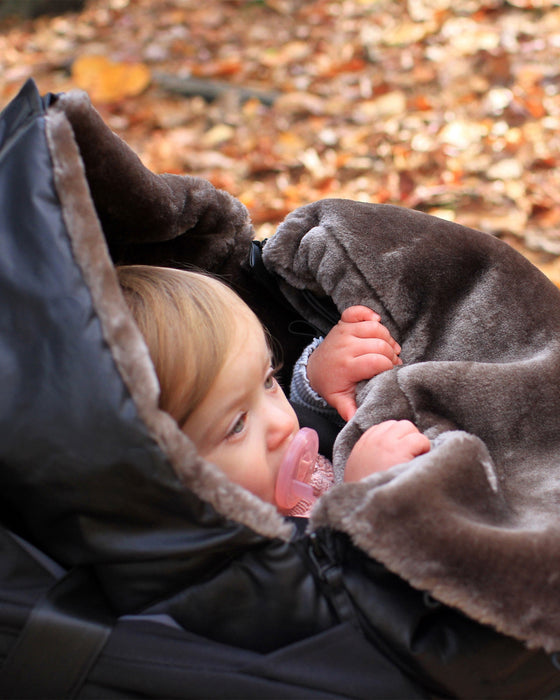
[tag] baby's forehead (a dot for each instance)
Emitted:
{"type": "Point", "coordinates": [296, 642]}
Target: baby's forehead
{"type": "Point", "coordinates": [250, 331]}
{"type": "Point", "coordinates": [247, 324]}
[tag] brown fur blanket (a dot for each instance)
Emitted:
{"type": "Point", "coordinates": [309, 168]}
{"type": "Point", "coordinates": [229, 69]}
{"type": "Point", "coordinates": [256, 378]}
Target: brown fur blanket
{"type": "Point", "coordinates": [475, 521]}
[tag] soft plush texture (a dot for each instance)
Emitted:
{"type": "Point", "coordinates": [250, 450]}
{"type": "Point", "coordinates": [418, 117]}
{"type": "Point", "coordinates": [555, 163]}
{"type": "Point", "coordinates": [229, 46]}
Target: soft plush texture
{"type": "Point", "coordinates": [141, 210]}
{"type": "Point", "coordinates": [474, 521]}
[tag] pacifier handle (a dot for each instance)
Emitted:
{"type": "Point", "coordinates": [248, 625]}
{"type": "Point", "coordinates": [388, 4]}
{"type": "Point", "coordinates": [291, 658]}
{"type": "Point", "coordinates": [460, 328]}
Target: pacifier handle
{"type": "Point", "coordinates": [294, 475]}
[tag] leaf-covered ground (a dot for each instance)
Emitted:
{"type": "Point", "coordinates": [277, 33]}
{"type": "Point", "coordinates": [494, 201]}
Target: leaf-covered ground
{"type": "Point", "coordinates": [448, 106]}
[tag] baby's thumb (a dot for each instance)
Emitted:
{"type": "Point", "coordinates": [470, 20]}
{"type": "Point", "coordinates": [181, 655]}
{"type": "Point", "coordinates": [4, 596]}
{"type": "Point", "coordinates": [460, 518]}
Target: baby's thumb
{"type": "Point", "coordinates": [346, 407]}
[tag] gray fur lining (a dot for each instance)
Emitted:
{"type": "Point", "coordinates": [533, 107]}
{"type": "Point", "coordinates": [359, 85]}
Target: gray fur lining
{"type": "Point", "coordinates": [475, 521]}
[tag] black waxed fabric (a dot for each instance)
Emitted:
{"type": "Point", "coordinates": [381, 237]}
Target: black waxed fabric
{"type": "Point", "coordinates": [152, 657]}
{"type": "Point", "coordinates": [201, 605]}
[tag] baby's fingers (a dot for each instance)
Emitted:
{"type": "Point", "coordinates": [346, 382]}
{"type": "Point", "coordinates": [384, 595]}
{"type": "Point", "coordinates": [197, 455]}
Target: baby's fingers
{"type": "Point", "coordinates": [370, 365]}
{"type": "Point", "coordinates": [417, 443]}
{"type": "Point", "coordinates": [408, 436]}
{"type": "Point", "coordinates": [355, 314]}
{"type": "Point", "coordinates": [374, 330]}
{"type": "Point", "coordinates": [393, 429]}
{"type": "Point", "coordinates": [371, 358]}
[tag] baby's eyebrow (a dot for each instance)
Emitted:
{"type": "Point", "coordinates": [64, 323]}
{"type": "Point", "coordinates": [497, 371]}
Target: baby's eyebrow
{"type": "Point", "coordinates": [218, 421]}
{"type": "Point", "coordinates": [274, 355]}
{"type": "Point", "coordinates": [212, 434]}
{"type": "Point", "coordinates": [271, 363]}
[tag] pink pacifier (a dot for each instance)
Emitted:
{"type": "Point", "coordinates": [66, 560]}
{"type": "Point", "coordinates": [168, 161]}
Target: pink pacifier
{"type": "Point", "coordinates": [292, 484]}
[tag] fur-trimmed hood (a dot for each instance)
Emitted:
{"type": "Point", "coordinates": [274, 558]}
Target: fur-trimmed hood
{"type": "Point", "coordinates": [114, 459]}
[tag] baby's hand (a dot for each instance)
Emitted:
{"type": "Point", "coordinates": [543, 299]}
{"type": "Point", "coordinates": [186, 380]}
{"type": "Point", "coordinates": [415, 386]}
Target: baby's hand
{"type": "Point", "coordinates": [384, 445]}
{"type": "Point", "coordinates": [357, 348]}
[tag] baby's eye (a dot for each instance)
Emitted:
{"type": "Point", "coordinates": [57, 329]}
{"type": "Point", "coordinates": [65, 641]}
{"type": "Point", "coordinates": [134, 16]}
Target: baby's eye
{"type": "Point", "coordinates": [238, 425]}
{"type": "Point", "coordinates": [270, 379]}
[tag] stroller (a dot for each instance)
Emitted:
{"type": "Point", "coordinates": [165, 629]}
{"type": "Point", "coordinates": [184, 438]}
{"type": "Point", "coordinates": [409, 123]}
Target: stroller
{"type": "Point", "coordinates": [133, 568]}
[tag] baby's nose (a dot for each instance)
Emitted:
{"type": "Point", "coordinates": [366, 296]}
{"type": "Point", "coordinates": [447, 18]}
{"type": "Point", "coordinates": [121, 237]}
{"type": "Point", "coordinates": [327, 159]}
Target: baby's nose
{"type": "Point", "coordinates": [281, 426]}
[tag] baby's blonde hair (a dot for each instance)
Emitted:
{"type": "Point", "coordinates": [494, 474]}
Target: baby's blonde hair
{"type": "Point", "coordinates": [188, 320]}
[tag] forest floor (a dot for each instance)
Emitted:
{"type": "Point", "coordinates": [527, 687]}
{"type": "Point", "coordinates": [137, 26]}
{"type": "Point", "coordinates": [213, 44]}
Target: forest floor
{"type": "Point", "coordinates": [451, 107]}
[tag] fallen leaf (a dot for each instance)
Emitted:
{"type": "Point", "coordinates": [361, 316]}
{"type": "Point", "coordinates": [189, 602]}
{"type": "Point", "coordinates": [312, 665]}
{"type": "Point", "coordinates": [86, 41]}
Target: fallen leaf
{"type": "Point", "coordinates": [217, 134]}
{"type": "Point", "coordinates": [109, 81]}
{"type": "Point", "coordinates": [217, 69]}
{"type": "Point", "coordinates": [506, 169]}
{"type": "Point", "coordinates": [409, 33]}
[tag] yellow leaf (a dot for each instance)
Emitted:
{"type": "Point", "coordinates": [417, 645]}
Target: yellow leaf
{"type": "Point", "coordinates": [109, 81]}
{"type": "Point", "coordinates": [408, 33]}
{"type": "Point", "coordinates": [290, 143]}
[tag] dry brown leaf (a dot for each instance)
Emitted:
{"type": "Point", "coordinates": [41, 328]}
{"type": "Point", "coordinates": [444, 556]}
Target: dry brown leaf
{"type": "Point", "coordinates": [217, 69]}
{"type": "Point", "coordinates": [109, 81]}
{"type": "Point", "coordinates": [409, 33]}
{"type": "Point", "coordinates": [534, 4]}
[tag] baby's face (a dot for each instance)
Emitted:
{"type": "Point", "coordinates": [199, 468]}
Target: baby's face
{"type": "Point", "coordinates": [245, 423]}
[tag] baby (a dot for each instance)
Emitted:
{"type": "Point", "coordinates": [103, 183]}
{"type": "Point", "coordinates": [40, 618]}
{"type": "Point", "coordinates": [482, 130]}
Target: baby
{"type": "Point", "coordinates": [218, 378]}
